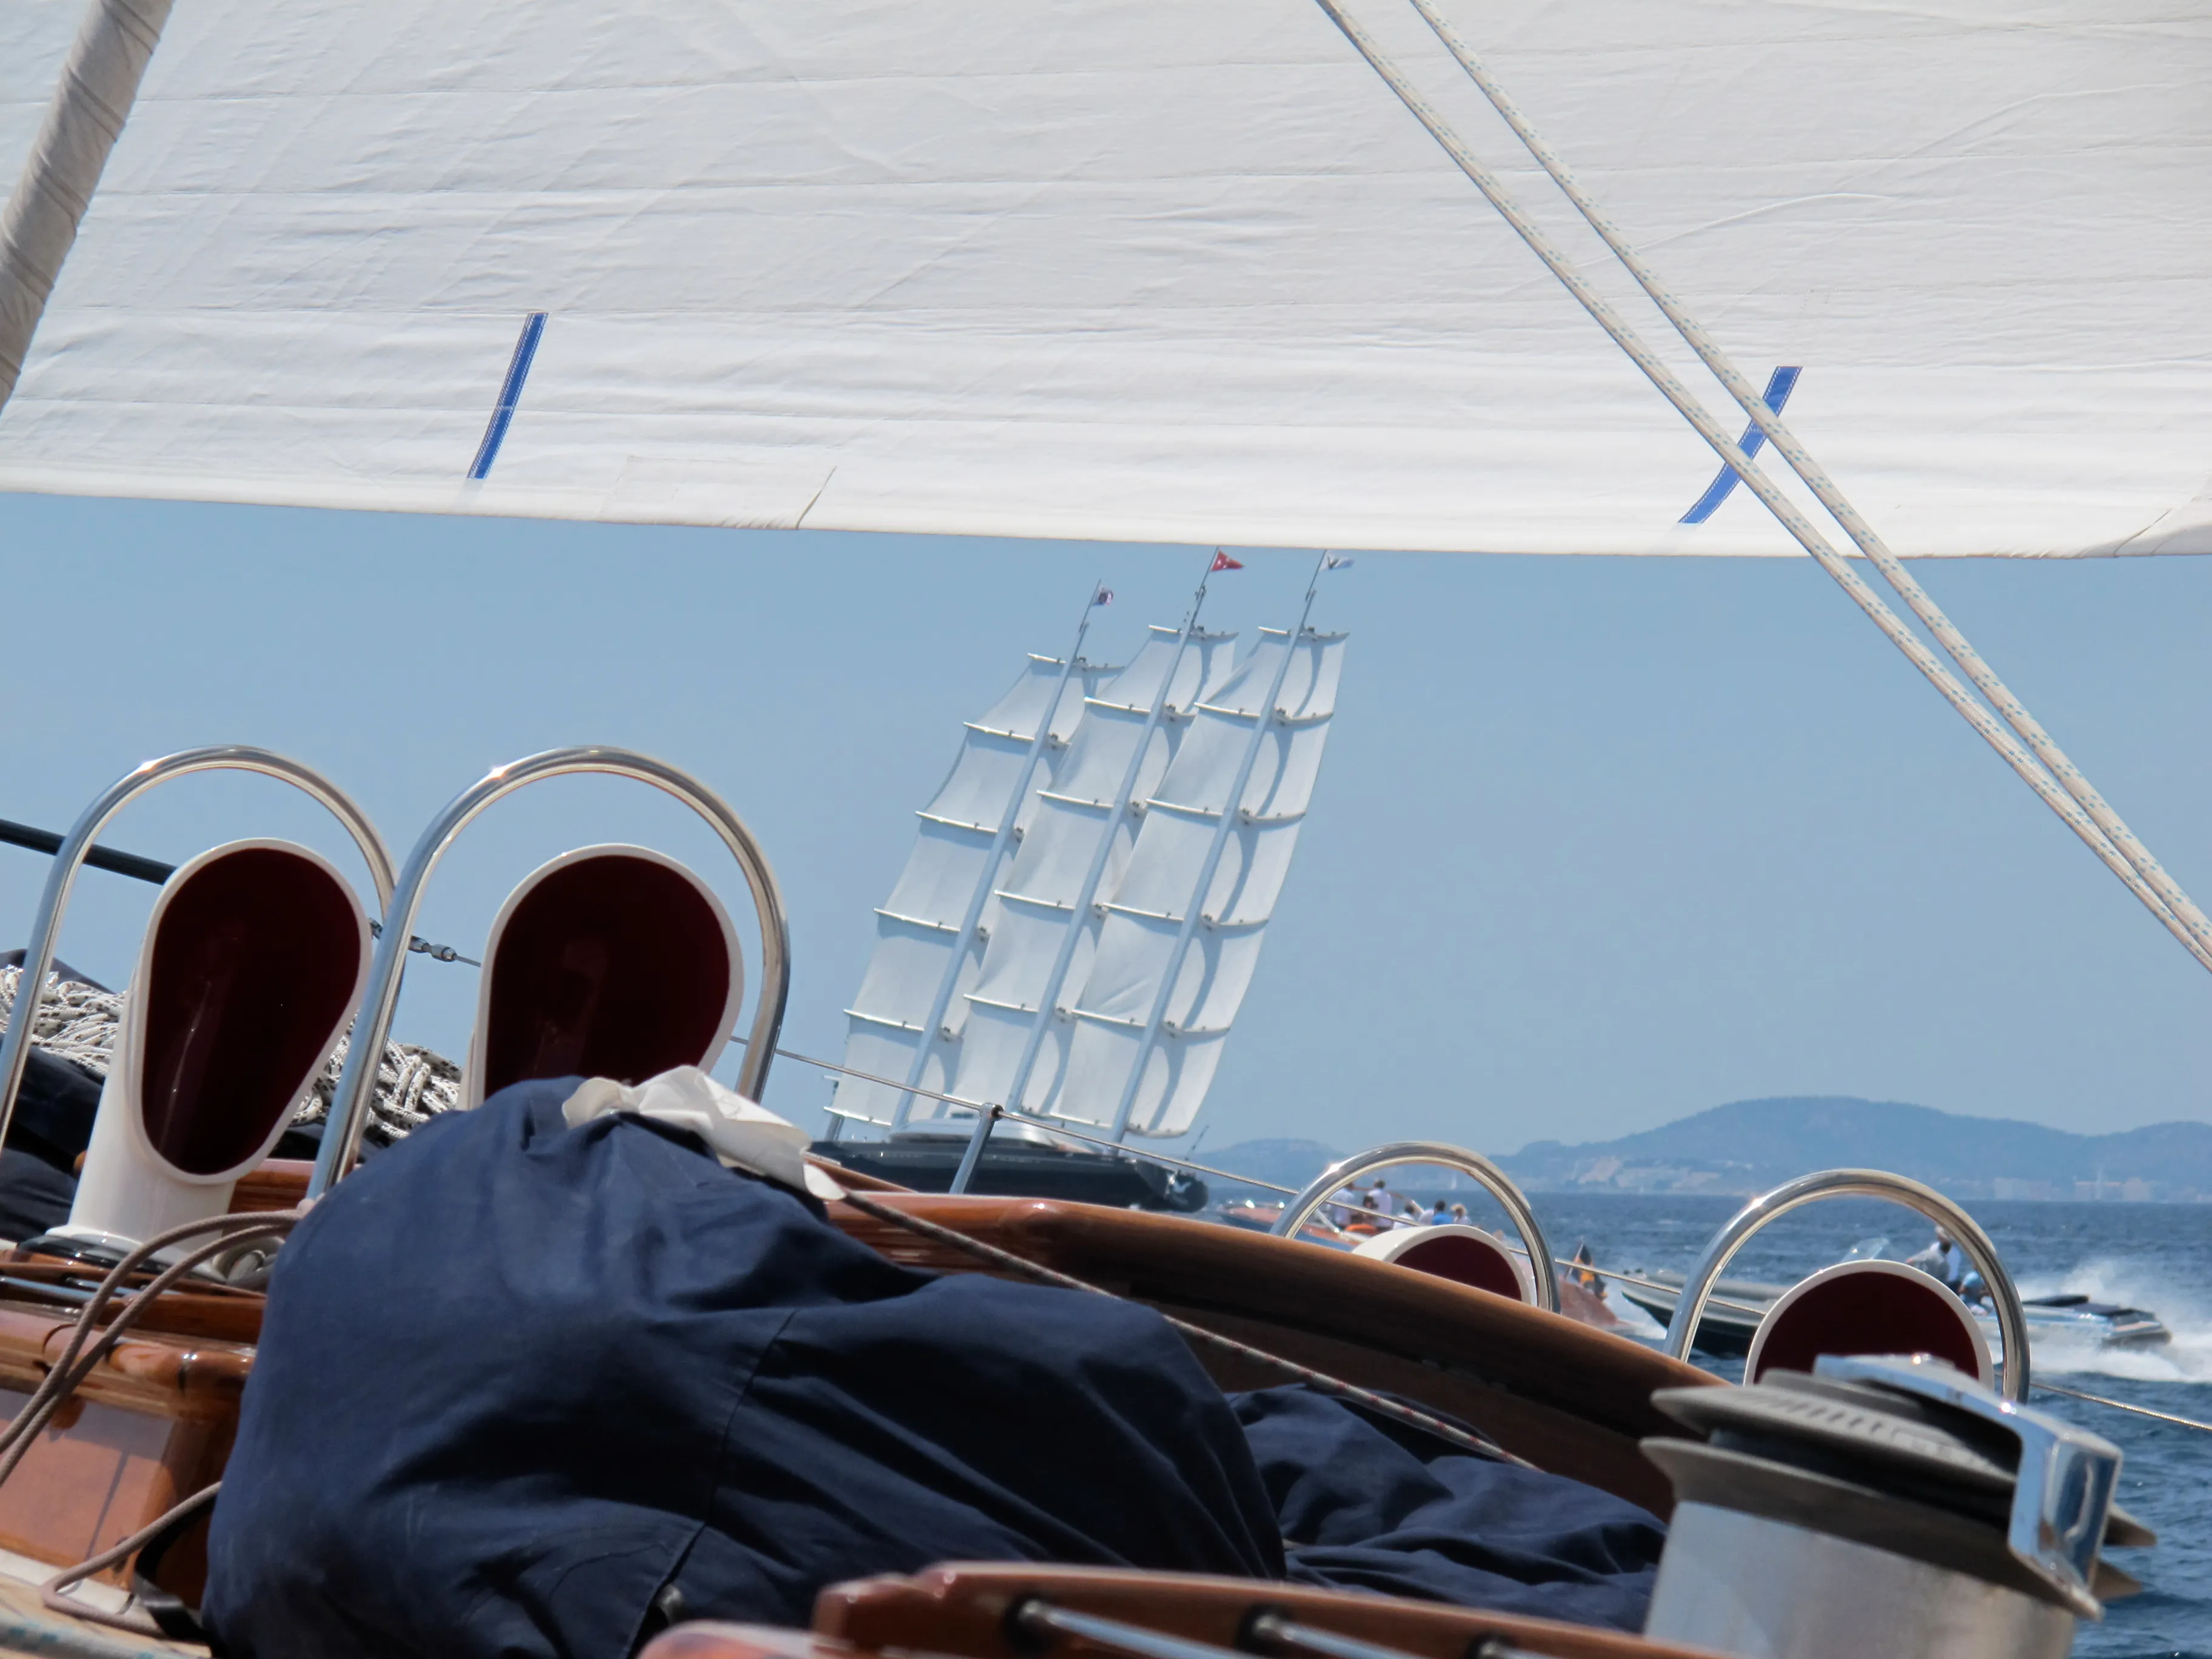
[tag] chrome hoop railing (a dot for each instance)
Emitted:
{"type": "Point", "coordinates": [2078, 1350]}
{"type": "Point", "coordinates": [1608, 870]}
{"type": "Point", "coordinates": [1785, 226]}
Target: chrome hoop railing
{"type": "Point", "coordinates": [1697, 1289]}
{"type": "Point", "coordinates": [70, 857]}
{"type": "Point", "coordinates": [357, 1082]}
{"type": "Point", "coordinates": [1493, 1180]}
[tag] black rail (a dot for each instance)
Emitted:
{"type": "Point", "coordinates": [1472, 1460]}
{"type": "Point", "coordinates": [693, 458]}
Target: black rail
{"type": "Point", "coordinates": [144, 869]}
{"type": "Point", "coordinates": [100, 858]}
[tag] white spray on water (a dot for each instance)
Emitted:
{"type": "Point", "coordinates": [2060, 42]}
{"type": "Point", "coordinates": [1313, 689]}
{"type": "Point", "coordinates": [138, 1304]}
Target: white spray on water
{"type": "Point", "coordinates": [2185, 1310]}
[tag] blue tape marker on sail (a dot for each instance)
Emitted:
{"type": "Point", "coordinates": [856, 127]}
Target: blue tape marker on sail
{"type": "Point", "coordinates": [1780, 385]}
{"type": "Point", "coordinates": [510, 393]}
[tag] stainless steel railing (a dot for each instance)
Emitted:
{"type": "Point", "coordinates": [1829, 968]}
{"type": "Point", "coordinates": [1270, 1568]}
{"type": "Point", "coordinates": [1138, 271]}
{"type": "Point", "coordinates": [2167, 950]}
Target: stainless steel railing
{"type": "Point", "coordinates": [2004, 1296]}
{"type": "Point", "coordinates": [357, 1082]}
{"type": "Point", "coordinates": [76, 846]}
{"type": "Point", "coordinates": [1493, 1180]}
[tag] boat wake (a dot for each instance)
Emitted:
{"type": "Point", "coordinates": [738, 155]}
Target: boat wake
{"type": "Point", "coordinates": [2187, 1313]}
{"type": "Point", "coordinates": [1639, 1323]}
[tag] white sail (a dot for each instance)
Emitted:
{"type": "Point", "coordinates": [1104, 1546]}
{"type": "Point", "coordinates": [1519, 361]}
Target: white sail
{"type": "Point", "coordinates": [1119, 1017]}
{"type": "Point", "coordinates": [925, 953]}
{"type": "Point", "coordinates": [982, 266]}
{"type": "Point", "coordinates": [1041, 899]}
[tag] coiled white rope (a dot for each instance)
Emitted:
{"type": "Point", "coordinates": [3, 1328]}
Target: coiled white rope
{"type": "Point", "coordinates": [78, 1021]}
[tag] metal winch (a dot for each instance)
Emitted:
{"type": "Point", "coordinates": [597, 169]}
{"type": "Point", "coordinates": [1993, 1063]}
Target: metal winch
{"type": "Point", "coordinates": [1886, 1505]}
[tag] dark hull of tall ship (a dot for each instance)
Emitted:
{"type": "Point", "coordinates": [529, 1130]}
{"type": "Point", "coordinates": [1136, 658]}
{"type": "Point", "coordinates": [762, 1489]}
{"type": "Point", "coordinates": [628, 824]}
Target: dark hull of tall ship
{"type": "Point", "coordinates": [1019, 1171]}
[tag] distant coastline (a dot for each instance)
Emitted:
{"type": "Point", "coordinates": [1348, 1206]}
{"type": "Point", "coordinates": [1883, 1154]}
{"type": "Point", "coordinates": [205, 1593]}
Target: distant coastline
{"type": "Point", "coordinates": [1747, 1146]}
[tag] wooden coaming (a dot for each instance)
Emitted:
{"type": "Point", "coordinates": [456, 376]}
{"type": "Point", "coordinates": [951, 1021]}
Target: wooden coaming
{"type": "Point", "coordinates": [152, 1424]}
{"type": "Point", "coordinates": [1569, 1398]}
{"type": "Point", "coordinates": [156, 1420]}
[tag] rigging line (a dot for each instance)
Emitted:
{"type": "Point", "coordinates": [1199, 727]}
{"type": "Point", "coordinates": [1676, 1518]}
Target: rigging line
{"type": "Point", "coordinates": [988, 878]}
{"type": "Point", "coordinates": [54, 1594]}
{"type": "Point", "coordinates": [2122, 1405]}
{"type": "Point", "coordinates": [1766, 419]}
{"type": "Point", "coordinates": [1124, 1107]}
{"type": "Point", "coordinates": [1319, 1382]}
{"type": "Point", "coordinates": [1800, 528]}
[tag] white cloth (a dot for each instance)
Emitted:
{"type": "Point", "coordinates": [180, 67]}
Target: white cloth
{"type": "Point", "coordinates": [741, 1133]}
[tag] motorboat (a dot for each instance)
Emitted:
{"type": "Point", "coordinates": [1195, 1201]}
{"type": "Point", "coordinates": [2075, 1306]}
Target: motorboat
{"type": "Point", "coordinates": [1731, 1319]}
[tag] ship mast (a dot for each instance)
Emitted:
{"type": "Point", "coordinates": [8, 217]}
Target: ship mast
{"type": "Point", "coordinates": [961, 936]}
{"type": "Point", "coordinates": [1086, 896]}
{"type": "Point", "coordinates": [1232, 808]}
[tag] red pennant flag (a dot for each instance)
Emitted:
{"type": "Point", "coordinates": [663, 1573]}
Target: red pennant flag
{"type": "Point", "coordinates": [1222, 561]}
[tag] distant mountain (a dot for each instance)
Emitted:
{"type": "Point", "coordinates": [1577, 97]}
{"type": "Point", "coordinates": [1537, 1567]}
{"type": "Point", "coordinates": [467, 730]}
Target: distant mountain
{"type": "Point", "coordinates": [1749, 1146]}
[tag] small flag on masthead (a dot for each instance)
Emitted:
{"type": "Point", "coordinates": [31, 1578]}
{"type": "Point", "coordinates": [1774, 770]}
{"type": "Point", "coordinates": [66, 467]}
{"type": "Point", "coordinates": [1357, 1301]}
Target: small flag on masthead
{"type": "Point", "coordinates": [1337, 561]}
{"type": "Point", "coordinates": [1222, 561]}
{"type": "Point", "coordinates": [1103, 596]}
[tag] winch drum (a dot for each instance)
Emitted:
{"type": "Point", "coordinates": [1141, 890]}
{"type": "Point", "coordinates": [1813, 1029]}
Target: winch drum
{"type": "Point", "coordinates": [1882, 1505]}
{"type": "Point", "coordinates": [1745, 1585]}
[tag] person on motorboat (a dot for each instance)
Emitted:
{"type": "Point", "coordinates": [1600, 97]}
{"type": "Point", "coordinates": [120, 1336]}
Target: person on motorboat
{"type": "Point", "coordinates": [1439, 1214]}
{"type": "Point", "coordinates": [1941, 1261]}
{"type": "Point", "coordinates": [1945, 1262]}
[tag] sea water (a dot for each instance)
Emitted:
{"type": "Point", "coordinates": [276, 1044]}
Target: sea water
{"type": "Point", "coordinates": [2157, 1256]}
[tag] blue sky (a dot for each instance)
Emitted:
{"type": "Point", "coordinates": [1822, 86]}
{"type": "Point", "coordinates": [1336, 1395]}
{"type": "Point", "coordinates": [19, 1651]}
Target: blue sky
{"type": "Point", "coordinates": [1598, 841]}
